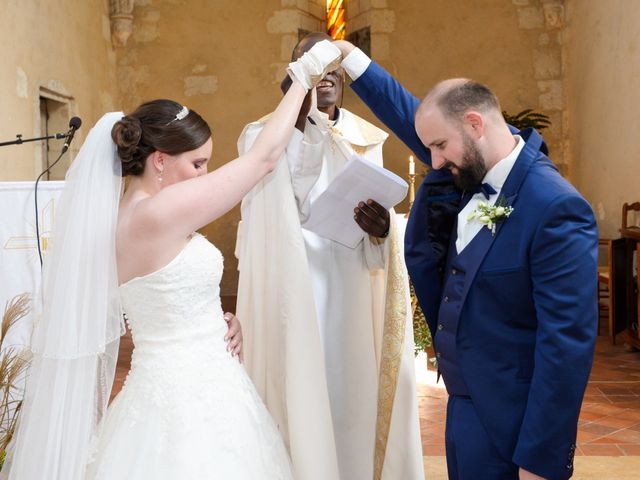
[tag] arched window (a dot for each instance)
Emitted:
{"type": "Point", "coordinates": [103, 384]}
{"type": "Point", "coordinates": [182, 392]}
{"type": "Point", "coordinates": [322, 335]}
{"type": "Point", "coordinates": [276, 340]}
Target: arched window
{"type": "Point", "coordinates": [335, 19]}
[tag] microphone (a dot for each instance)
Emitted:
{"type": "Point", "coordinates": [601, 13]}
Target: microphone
{"type": "Point", "coordinates": [74, 124]}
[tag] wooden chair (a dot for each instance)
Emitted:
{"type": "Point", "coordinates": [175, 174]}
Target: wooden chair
{"type": "Point", "coordinates": [626, 208]}
{"type": "Point", "coordinates": [606, 296]}
{"type": "Point", "coordinates": [624, 280]}
{"type": "Point", "coordinates": [638, 275]}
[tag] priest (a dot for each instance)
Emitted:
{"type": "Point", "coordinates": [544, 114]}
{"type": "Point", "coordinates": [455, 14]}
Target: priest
{"type": "Point", "coordinates": [328, 331]}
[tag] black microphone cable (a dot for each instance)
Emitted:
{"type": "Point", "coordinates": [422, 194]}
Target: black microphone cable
{"type": "Point", "coordinates": [74, 125]}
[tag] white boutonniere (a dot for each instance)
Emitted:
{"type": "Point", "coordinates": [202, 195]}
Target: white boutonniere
{"type": "Point", "coordinates": [491, 215]}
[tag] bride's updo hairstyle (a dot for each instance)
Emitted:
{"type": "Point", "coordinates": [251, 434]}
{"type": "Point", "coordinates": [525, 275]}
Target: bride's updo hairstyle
{"type": "Point", "coordinates": [158, 125]}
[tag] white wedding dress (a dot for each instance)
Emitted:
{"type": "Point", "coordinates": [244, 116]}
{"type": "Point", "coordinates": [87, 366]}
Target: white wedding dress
{"type": "Point", "coordinates": [188, 410]}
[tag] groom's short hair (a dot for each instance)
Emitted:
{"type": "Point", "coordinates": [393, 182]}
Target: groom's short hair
{"type": "Point", "coordinates": [457, 96]}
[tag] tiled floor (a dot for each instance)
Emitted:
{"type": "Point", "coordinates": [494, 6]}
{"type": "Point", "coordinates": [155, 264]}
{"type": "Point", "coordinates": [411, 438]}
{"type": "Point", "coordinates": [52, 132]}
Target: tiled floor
{"type": "Point", "coordinates": [609, 421]}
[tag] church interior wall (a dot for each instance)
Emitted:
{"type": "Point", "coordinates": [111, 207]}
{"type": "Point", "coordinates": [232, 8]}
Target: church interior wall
{"type": "Point", "coordinates": [60, 49]}
{"type": "Point", "coordinates": [603, 68]}
{"type": "Point", "coordinates": [573, 60]}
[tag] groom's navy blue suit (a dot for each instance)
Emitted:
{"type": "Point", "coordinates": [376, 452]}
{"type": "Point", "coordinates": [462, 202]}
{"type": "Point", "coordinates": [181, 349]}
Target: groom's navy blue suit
{"type": "Point", "coordinates": [514, 315]}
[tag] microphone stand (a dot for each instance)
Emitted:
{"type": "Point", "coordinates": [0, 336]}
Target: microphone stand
{"type": "Point", "coordinates": [69, 136]}
{"type": "Point", "coordinates": [20, 141]}
{"type": "Point", "coordinates": [74, 124]}
{"type": "Point", "coordinates": [35, 197]}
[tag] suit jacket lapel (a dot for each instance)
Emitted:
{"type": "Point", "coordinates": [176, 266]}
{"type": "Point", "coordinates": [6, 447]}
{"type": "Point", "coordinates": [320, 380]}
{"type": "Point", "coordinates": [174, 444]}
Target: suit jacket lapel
{"type": "Point", "coordinates": [484, 239]}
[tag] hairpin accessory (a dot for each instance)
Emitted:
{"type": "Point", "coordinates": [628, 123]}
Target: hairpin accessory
{"type": "Point", "coordinates": [182, 114]}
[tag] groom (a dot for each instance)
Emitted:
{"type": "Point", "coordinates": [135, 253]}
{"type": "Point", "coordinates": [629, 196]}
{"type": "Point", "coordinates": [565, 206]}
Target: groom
{"type": "Point", "coordinates": [512, 310]}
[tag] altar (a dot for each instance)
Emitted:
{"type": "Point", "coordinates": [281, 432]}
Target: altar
{"type": "Point", "coordinates": [19, 258]}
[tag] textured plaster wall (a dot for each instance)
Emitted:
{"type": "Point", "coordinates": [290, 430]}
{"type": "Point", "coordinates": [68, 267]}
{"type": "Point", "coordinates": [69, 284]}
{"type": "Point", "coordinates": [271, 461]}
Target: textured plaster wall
{"type": "Point", "coordinates": [61, 45]}
{"type": "Point", "coordinates": [603, 68]}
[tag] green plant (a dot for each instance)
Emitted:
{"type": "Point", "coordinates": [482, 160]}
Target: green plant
{"type": "Point", "coordinates": [527, 118]}
{"type": "Point", "coordinates": [13, 363]}
{"type": "Point", "coordinates": [421, 332]}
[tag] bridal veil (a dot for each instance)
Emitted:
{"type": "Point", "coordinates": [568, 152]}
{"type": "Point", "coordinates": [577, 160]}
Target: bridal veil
{"type": "Point", "coordinates": [78, 321]}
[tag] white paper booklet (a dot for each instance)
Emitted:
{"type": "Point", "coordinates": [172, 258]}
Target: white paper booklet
{"type": "Point", "coordinates": [331, 215]}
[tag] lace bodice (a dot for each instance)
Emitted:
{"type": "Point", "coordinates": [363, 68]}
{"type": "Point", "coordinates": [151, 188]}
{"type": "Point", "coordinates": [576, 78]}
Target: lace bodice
{"type": "Point", "coordinates": [179, 304]}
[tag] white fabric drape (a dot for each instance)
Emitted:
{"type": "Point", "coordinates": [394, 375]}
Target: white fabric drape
{"type": "Point", "coordinates": [78, 324]}
{"type": "Point", "coordinates": [291, 343]}
{"type": "Point", "coordinates": [310, 388]}
{"type": "Point", "coordinates": [21, 272]}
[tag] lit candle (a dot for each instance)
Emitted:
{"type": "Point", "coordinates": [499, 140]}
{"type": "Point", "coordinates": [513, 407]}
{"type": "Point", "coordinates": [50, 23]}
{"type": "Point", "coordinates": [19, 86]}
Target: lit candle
{"type": "Point", "coordinates": [412, 166]}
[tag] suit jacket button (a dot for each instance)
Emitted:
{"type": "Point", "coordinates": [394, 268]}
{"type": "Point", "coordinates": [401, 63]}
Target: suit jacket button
{"type": "Point", "coordinates": [440, 326]}
{"type": "Point", "coordinates": [446, 299]}
{"type": "Point", "coordinates": [439, 355]}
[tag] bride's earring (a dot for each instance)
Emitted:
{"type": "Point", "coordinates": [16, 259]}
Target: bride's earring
{"type": "Point", "coordinates": [159, 165]}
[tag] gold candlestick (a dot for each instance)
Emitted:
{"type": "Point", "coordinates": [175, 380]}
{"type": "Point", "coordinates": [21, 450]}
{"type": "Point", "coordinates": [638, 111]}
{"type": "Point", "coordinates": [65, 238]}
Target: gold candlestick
{"type": "Point", "coordinates": [412, 190]}
{"type": "Point", "coordinates": [412, 182]}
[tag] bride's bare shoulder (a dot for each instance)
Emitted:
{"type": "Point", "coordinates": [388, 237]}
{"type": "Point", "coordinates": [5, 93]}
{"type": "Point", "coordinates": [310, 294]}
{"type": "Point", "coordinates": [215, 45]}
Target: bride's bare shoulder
{"type": "Point", "coordinates": [142, 244]}
{"type": "Point", "coordinates": [136, 215]}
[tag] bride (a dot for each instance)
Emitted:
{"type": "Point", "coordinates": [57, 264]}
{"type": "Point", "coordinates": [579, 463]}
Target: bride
{"type": "Point", "coordinates": [188, 409]}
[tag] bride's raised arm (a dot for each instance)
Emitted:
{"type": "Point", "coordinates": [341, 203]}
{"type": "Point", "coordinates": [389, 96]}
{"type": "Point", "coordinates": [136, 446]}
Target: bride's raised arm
{"type": "Point", "coordinates": [188, 205]}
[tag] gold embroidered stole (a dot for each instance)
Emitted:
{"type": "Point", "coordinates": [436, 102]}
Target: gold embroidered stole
{"type": "Point", "coordinates": [395, 317]}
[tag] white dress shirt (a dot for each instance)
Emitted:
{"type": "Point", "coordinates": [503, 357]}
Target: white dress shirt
{"type": "Point", "coordinates": [355, 63]}
{"type": "Point", "coordinates": [495, 177]}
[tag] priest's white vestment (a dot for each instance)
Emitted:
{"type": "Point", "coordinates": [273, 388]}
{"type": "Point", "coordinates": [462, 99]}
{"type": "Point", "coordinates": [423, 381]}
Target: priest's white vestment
{"type": "Point", "coordinates": [328, 330]}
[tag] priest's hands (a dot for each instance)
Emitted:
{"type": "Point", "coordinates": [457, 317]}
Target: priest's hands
{"type": "Point", "coordinates": [234, 336]}
{"type": "Point", "coordinates": [373, 218]}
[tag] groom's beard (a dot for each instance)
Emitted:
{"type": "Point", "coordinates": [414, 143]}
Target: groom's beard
{"type": "Point", "coordinates": [473, 169]}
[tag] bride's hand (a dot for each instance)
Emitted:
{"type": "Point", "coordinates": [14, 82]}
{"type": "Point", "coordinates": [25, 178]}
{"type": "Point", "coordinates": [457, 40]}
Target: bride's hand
{"type": "Point", "coordinates": [312, 67]}
{"type": "Point", "coordinates": [234, 336]}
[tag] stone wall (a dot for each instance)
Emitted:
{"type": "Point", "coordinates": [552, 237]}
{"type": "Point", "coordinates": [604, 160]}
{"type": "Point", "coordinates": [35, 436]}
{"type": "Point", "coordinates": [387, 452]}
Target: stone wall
{"type": "Point", "coordinates": [603, 68]}
{"type": "Point", "coordinates": [286, 23]}
{"type": "Point", "coordinates": [61, 49]}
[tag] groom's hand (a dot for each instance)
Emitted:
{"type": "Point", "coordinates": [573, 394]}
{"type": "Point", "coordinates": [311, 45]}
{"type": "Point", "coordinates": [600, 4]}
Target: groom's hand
{"type": "Point", "coordinates": [526, 475]}
{"type": "Point", "coordinates": [373, 218]}
{"type": "Point", "coordinates": [234, 336]}
{"type": "Point", "coordinates": [344, 46]}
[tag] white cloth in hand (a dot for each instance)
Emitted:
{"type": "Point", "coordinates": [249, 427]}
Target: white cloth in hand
{"type": "Point", "coordinates": [311, 67]}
